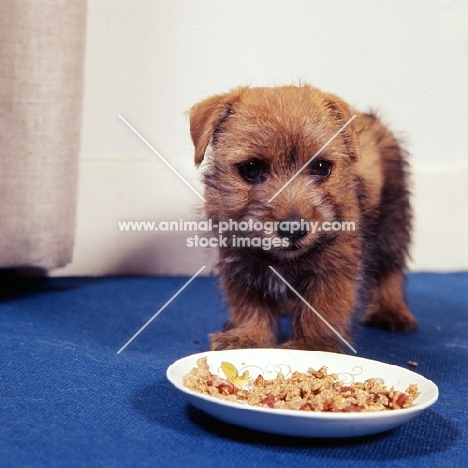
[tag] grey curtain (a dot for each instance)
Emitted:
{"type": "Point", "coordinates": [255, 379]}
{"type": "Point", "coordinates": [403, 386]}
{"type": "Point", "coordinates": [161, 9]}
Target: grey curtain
{"type": "Point", "coordinates": [42, 44]}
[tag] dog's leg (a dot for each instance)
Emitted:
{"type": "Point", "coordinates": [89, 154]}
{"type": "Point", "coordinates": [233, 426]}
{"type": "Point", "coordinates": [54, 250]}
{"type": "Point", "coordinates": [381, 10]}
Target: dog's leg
{"type": "Point", "coordinates": [252, 323]}
{"type": "Point", "coordinates": [388, 309]}
{"type": "Point", "coordinates": [334, 301]}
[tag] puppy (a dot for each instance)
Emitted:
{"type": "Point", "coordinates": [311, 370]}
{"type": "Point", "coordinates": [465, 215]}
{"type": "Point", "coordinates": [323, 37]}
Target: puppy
{"type": "Point", "coordinates": [293, 157]}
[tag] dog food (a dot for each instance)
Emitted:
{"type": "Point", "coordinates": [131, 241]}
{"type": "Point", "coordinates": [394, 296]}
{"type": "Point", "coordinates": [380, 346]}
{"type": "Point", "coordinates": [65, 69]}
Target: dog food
{"type": "Point", "coordinates": [315, 390]}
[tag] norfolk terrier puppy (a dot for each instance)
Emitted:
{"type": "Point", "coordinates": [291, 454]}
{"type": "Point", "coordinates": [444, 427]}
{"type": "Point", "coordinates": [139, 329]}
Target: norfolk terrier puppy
{"type": "Point", "coordinates": [313, 200]}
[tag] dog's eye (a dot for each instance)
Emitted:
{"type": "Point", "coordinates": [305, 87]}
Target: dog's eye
{"type": "Point", "coordinates": [320, 167]}
{"type": "Point", "coordinates": [253, 171]}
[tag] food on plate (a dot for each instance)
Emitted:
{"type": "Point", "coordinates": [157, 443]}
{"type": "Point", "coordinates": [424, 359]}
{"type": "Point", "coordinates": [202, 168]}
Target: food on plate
{"type": "Point", "coordinates": [315, 390]}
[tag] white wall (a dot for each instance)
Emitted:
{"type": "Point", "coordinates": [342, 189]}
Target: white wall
{"type": "Point", "coordinates": [150, 60]}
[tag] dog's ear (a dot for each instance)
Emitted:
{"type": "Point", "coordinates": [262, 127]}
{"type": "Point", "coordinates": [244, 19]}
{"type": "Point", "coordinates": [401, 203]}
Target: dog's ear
{"type": "Point", "coordinates": [342, 113]}
{"type": "Point", "coordinates": [205, 118]}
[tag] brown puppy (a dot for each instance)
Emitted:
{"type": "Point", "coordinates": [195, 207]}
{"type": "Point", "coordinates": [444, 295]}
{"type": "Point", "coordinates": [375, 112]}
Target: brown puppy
{"type": "Point", "coordinates": [260, 139]}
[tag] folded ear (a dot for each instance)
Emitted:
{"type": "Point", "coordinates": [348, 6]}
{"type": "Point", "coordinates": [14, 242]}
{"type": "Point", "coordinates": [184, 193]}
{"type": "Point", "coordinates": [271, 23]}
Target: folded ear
{"type": "Point", "coordinates": [341, 111]}
{"type": "Point", "coordinates": [205, 118]}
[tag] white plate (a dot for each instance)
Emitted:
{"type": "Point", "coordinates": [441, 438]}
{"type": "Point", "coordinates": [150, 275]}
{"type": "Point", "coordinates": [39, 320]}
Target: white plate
{"type": "Point", "coordinates": [304, 423]}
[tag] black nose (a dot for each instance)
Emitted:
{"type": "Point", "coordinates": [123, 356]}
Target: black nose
{"type": "Point", "coordinates": [292, 229]}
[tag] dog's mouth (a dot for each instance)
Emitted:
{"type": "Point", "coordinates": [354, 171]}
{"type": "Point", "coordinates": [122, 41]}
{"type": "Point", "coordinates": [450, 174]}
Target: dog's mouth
{"type": "Point", "coordinates": [293, 248]}
{"type": "Point", "coordinates": [286, 248]}
{"type": "Point", "coordinates": [281, 239]}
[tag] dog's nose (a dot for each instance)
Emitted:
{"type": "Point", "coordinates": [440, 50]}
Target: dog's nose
{"type": "Point", "coordinates": [292, 229]}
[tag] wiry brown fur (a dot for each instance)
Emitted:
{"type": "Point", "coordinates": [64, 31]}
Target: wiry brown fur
{"type": "Point", "coordinates": [336, 272]}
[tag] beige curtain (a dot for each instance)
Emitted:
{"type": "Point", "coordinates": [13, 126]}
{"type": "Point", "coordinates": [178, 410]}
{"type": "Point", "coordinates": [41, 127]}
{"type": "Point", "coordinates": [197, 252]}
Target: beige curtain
{"type": "Point", "coordinates": [42, 45]}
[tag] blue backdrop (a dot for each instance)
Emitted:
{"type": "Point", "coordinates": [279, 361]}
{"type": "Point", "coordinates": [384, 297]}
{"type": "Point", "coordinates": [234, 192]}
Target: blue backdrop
{"type": "Point", "coordinates": [68, 399]}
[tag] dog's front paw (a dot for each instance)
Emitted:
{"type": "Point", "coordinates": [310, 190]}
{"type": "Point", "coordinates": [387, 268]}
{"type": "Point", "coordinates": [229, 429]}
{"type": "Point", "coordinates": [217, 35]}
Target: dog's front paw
{"type": "Point", "coordinates": [394, 320]}
{"type": "Point", "coordinates": [235, 340]}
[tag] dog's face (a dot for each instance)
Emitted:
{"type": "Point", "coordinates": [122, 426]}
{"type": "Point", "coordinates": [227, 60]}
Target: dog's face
{"type": "Point", "coordinates": [259, 168]}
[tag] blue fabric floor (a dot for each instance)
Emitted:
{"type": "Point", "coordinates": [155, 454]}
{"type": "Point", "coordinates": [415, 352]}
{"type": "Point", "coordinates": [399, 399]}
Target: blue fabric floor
{"type": "Point", "coordinates": [67, 399]}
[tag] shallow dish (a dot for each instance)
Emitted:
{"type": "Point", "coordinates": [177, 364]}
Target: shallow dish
{"type": "Point", "coordinates": [268, 362]}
